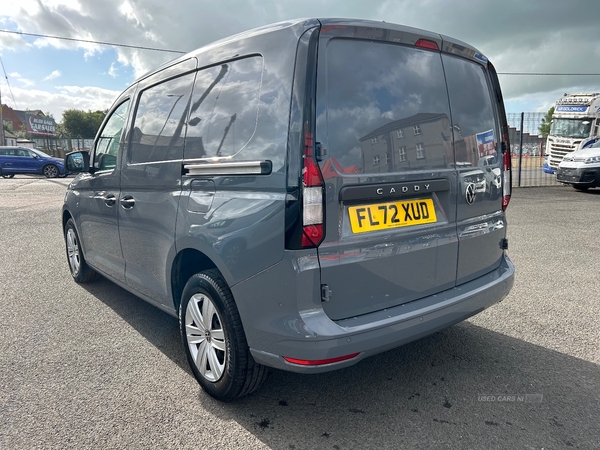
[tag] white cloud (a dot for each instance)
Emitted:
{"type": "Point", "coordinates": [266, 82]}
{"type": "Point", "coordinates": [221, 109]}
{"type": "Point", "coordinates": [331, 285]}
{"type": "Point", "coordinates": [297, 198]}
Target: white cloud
{"type": "Point", "coordinates": [15, 77]}
{"type": "Point", "coordinates": [128, 11]}
{"type": "Point", "coordinates": [26, 82]}
{"type": "Point", "coordinates": [53, 75]}
{"type": "Point", "coordinates": [517, 36]}
{"type": "Point", "coordinates": [113, 71]}
{"type": "Point", "coordinates": [67, 97]}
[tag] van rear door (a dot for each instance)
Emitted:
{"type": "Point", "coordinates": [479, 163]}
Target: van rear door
{"type": "Point", "coordinates": [384, 121]}
{"type": "Point", "coordinates": [481, 220]}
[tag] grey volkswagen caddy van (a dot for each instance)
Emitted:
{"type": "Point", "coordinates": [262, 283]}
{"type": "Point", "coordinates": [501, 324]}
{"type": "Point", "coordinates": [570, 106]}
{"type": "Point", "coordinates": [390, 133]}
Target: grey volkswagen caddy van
{"type": "Point", "coordinates": [298, 196]}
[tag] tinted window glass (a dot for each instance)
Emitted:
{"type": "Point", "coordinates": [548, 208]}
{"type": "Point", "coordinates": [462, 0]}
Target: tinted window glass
{"type": "Point", "coordinates": [472, 111]}
{"type": "Point", "coordinates": [159, 126]}
{"type": "Point", "coordinates": [224, 108]}
{"type": "Point", "coordinates": [107, 145]}
{"type": "Point", "coordinates": [386, 108]}
{"type": "Point", "coordinates": [25, 153]}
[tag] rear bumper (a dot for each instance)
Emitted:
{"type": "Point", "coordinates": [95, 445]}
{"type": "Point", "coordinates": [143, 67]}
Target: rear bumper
{"type": "Point", "coordinates": [374, 333]}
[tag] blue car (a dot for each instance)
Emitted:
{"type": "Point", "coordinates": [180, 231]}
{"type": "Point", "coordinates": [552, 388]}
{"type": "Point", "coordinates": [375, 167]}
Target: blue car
{"type": "Point", "coordinates": [546, 166]}
{"type": "Point", "coordinates": [23, 160]}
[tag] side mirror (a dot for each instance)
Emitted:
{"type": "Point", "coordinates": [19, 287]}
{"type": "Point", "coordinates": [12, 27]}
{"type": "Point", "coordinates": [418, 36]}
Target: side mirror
{"type": "Point", "coordinates": [77, 161]}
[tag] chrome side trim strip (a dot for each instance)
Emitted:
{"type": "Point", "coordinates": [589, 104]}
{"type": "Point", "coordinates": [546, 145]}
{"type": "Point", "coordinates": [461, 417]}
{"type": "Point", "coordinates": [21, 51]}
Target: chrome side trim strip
{"type": "Point", "coordinates": [229, 168]}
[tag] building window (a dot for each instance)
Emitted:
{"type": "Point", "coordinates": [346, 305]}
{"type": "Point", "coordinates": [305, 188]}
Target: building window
{"type": "Point", "coordinates": [400, 134]}
{"type": "Point", "coordinates": [376, 160]}
{"type": "Point", "coordinates": [374, 140]}
{"type": "Point", "coordinates": [417, 129]}
{"type": "Point", "coordinates": [402, 153]}
{"type": "Point", "coordinates": [420, 151]}
{"type": "Point", "coordinates": [387, 158]}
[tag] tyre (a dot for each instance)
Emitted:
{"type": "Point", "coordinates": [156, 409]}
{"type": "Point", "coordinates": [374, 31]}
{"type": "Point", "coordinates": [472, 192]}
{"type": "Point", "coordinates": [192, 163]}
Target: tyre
{"type": "Point", "coordinates": [6, 176]}
{"type": "Point", "coordinates": [50, 171]}
{"type": "Point", "coordinates": [580, 188]}
{"type": "Point", "coordinates": [80, 271]}
{"type": "Point", "coordinates": [214, 339]}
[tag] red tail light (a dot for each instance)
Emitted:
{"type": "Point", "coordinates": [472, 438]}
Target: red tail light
{"type": "Point", "coordinates": [312, 197]}
{"type": "Point", "coordinates": [507, 181]}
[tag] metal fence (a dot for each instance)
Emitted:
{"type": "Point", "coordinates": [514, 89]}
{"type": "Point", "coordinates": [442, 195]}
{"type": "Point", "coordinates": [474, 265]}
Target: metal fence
{"type": "Point", "coordinates": [528, 149]}
{"type": "Point", "coordinates": [60, 146]}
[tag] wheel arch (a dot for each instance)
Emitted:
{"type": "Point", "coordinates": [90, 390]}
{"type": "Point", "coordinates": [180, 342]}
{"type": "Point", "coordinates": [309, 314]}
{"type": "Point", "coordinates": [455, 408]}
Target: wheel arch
{"type": "Point", "coordinates": [187, 263]}
{"type": "Point", "coordinates": [66, 215]}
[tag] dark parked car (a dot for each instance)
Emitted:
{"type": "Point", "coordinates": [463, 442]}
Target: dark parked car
{"type": "Point", "coordinates": [23, 160]}
{"type": "Point", "coordinates": [205, 194]}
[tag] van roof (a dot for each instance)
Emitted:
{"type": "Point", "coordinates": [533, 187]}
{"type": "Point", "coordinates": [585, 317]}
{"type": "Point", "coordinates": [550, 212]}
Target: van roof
{"type": "Point", "coordinates": [450, 45]}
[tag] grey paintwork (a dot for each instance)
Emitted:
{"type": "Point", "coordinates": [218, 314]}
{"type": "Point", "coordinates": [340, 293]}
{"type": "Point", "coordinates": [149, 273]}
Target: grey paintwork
{"type": "Point", "coordinates": [297, 325]}
{"type": "Point", "coordinates": [138, 221]}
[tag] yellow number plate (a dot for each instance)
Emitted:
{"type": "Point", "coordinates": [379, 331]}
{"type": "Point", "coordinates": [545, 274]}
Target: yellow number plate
{"type": "Point", "coordinates": [382, 216]}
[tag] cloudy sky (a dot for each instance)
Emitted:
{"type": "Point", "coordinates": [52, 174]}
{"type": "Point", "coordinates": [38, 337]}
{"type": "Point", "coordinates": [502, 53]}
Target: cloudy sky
{"type": "Point", "coordinates": [532, 36]}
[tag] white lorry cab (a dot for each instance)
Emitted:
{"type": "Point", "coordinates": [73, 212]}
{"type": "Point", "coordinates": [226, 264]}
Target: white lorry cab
{"type": "Point", "coordinates": [575, 125]}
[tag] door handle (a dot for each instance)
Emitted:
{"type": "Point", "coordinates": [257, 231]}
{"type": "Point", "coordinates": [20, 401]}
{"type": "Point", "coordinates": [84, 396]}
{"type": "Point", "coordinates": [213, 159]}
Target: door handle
{"type": "Point", "coordinates": [109, 200]}
{"type": "Point", "coordinates": [127, 202]}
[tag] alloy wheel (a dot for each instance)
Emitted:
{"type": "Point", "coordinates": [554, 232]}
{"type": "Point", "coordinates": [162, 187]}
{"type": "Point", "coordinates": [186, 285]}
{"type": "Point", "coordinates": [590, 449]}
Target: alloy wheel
{"type": "Point", "coordinates": [51, 171]}
{"type": "Point", "coordinates": [73, 252]}
{"type": "Point", "coordinates": [205, 337]}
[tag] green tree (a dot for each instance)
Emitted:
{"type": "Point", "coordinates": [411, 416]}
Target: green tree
{"type": "Point", "coordinates": [546, 122]}
{"type": "Point", "coordinates": [81, 124]}
{"type": "Point", "coordinates": [20, 133]}
{"type": "Point", "coordinates": [95, 120]}
{"type": "Point", "coordinates": [61, 132]}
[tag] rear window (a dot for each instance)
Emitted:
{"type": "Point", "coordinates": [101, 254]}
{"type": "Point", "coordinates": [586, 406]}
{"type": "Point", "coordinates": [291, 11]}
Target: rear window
{"type": "Point", "coordinates": [385, 108]}
{"type": "Point", "coordinates": [472, 112]}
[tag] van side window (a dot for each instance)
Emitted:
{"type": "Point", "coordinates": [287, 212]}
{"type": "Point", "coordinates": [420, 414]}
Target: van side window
{"type": "Point", "coordinates": [158, 130]}
{"type": "Point", "coordinates": [224, 108]}
{"type": "Point", "coordinates": [107, 146]}
{"type": "Point", "coordinates": [472, 110]}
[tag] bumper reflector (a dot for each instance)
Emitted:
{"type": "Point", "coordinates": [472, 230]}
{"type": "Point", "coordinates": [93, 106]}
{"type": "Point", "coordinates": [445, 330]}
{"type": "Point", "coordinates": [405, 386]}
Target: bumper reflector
{"type": "Point", "coordinates": [319, 362]}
